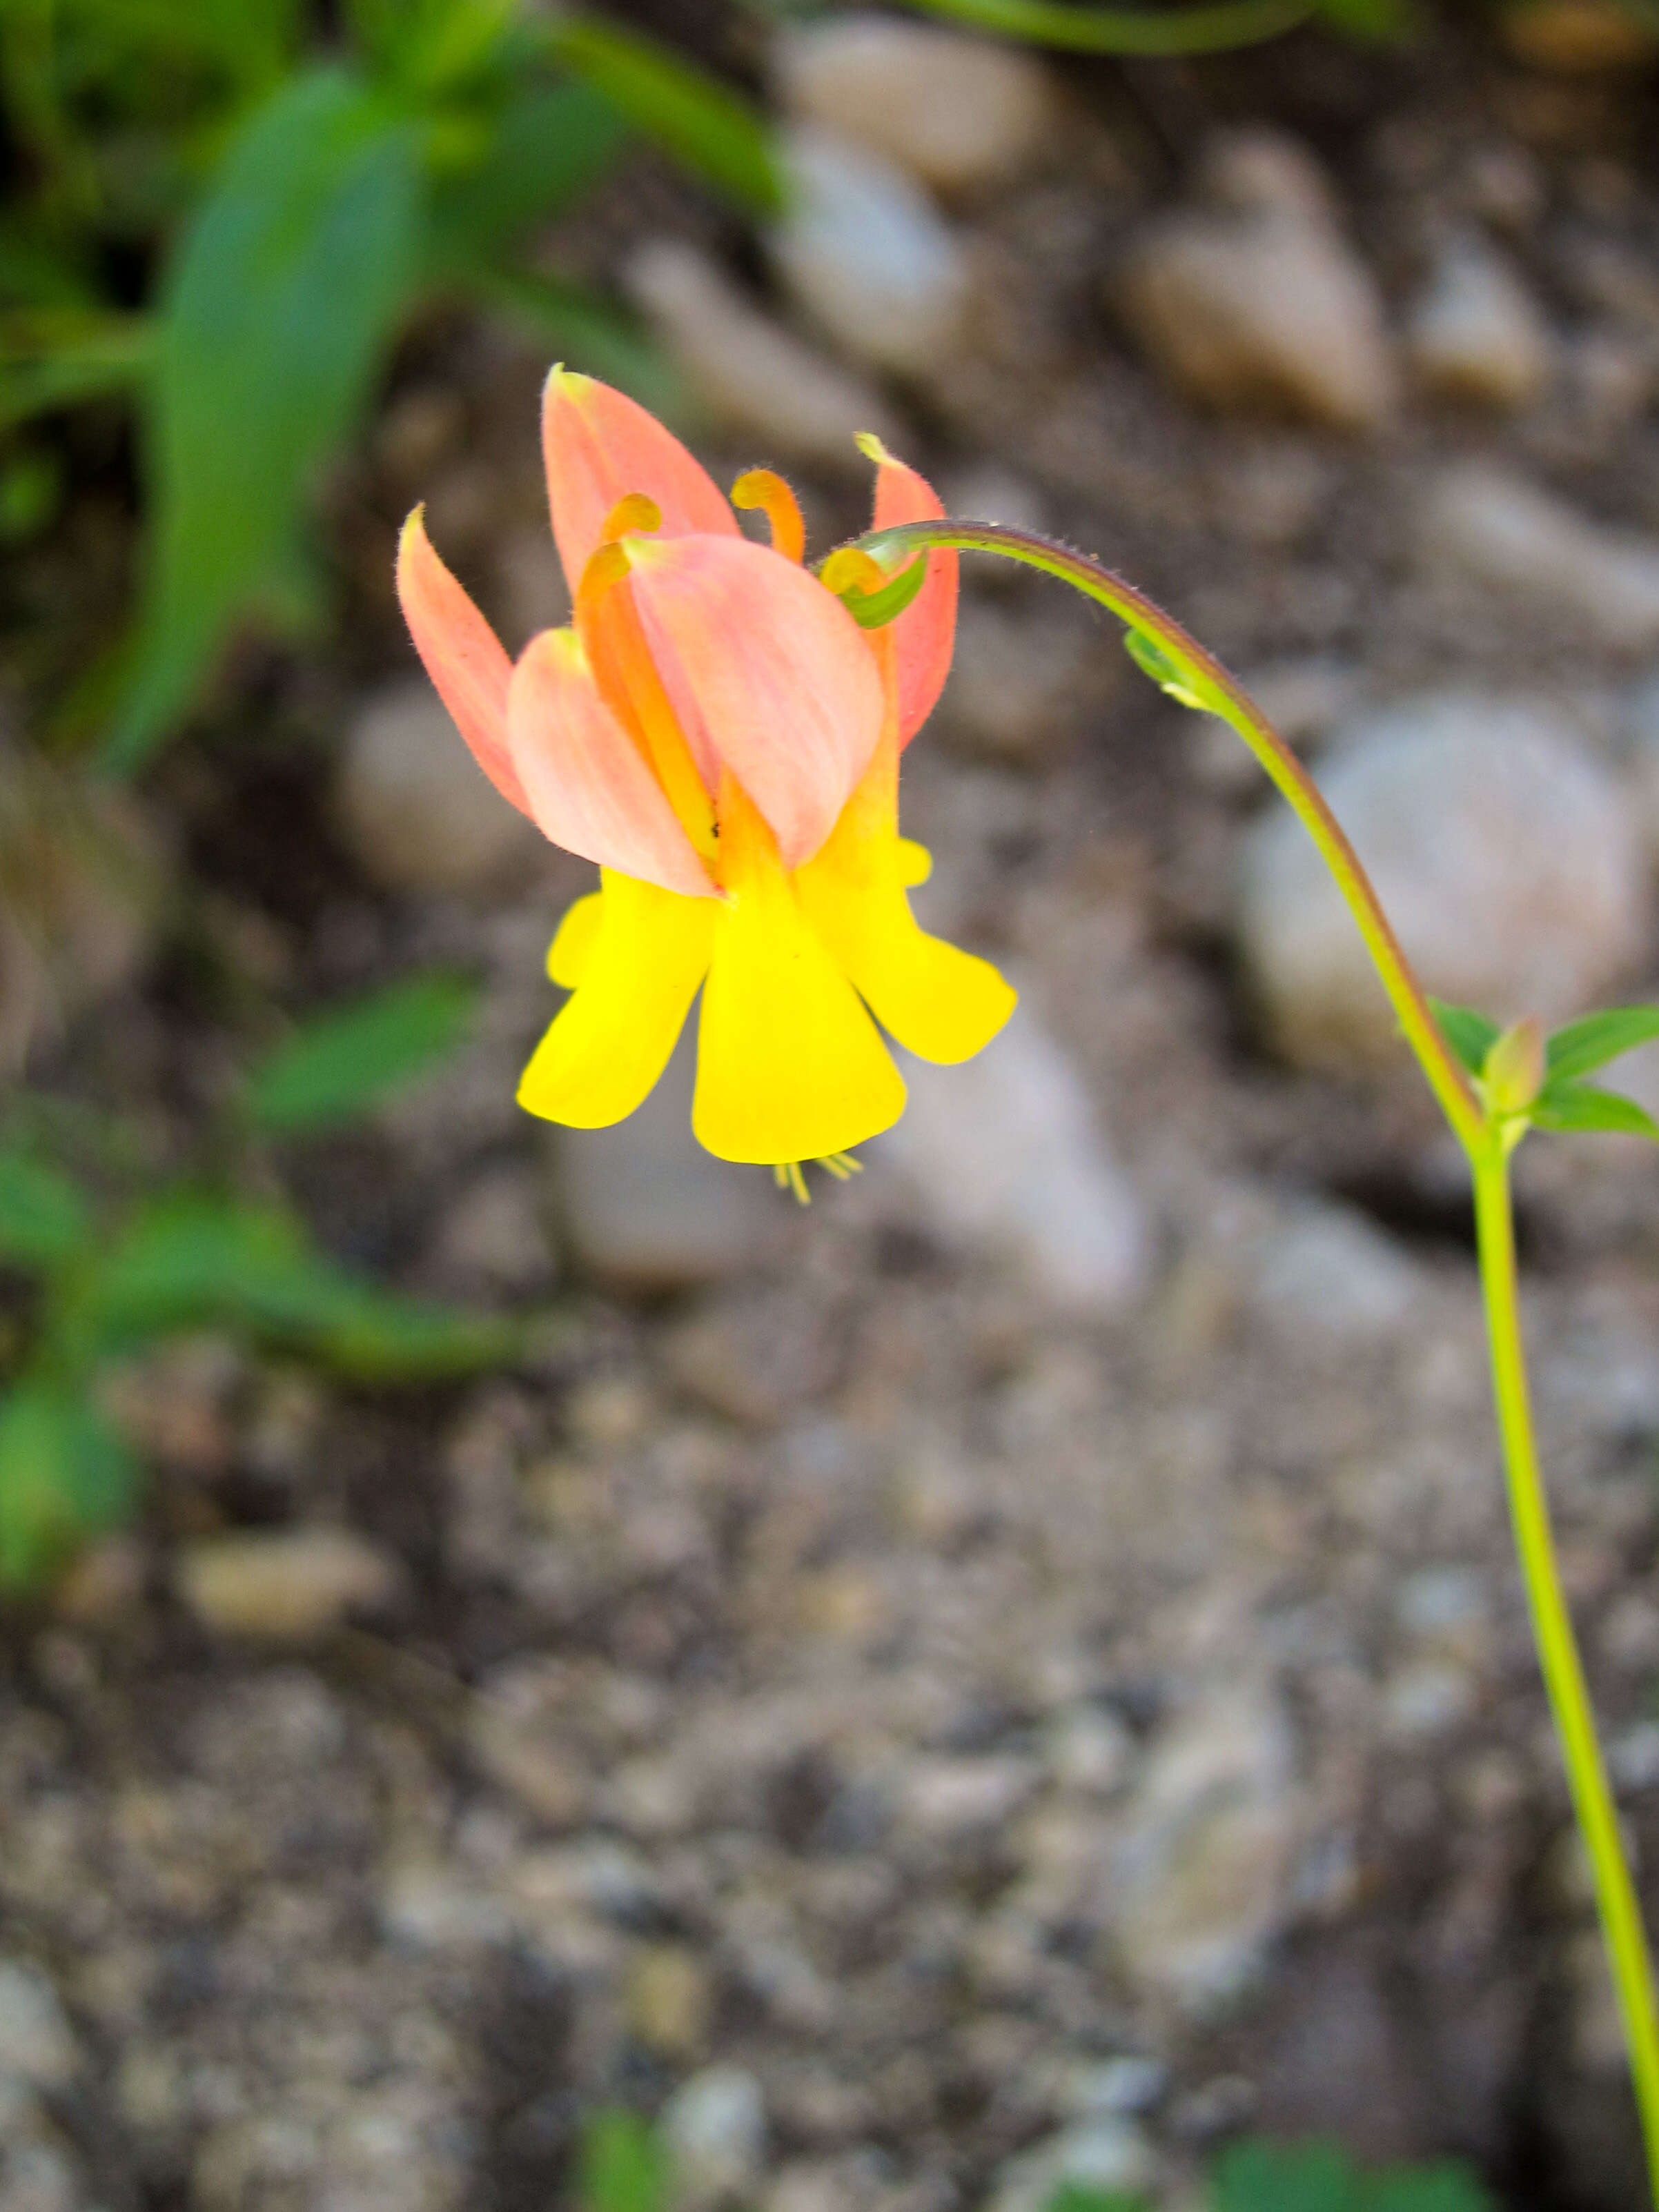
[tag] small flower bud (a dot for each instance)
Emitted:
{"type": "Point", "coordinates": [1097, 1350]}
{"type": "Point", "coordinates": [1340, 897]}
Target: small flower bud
{"type": "Point", "coordinates": [1514, 1072]}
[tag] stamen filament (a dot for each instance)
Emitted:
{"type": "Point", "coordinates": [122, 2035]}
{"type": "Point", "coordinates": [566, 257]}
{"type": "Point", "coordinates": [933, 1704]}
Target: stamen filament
{"type": "Point", "coordinates": [763, 489]}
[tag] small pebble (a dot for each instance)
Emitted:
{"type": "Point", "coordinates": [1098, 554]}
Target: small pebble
{"type": "Point", "coordinates": [1256, 299]}
{"type": "Point", "coordinates": [415, 808]}
{"type": "Point", "coordinates": [1483, 522]}
{"type": "Point", "coordinates": [866, 255]}
{"type": "Point", "coordinates": [957, 112]}
{"type": "Point", "coordinates": [1477, 333]}
{"type": "Point", "coordinates": [285, 1585]}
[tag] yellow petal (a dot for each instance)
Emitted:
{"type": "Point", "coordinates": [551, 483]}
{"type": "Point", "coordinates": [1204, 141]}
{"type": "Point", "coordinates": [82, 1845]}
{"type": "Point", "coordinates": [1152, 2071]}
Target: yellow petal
{"type": "Point", "coordinates": [942, 1003]}
{"type": "Point", "coordinates": [916, 863]}
{"type": "Point", "coordinates": [572, 949]}
{"type": "Point", "coordinates": [606, 1049]}
{"type": "Point", "coordinates": [790, 1067]}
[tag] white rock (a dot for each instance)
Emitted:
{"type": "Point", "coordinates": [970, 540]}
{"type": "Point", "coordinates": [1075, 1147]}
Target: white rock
{"type": "Point", "coordinates": [415, 808]}
{"type": "Point", "coordinates": [426, 1908]}
{"type": "Point", "coordinates": [1482, 522]}
{"type": "Point", "coordinates": [1427, 1698]}
{"type": "Point", "coordinates": [1477, 332]}
{"type": "Point", "coordinates": [955, 112]}
{"type": "Point", "coordinates": [284, 1585]}
{"type": "Point", "coordinates": [1205, 1864]}
{"type": "Point", "coordinates": [1508, 859]}
{"type": "Point", "coordinates": [1114, 2085]}
{"type": "Point", "coordinates": [752, 377]}
{"type": "Point", "coordinates": [1256, 299]}
{"type": "Point", "coordinates": [1327, 1271]}
{"type": "Point", "coordinates": [866, 255]}
{"type": "Point", "coordinates": [1005, 1152]}
{"type": "Point", "coordinates": [714, 2128]}
{"type": "Point", "coordinates": [946, 1797]}
{"type": "Point", "coordinates": [37, 2043]}
{"type": "Point", "coordinates": [1089, 1749]}
{"type": "Point", "coordinates": [644, 1207]}
{"type": "Point", "coordinates": [1106, 2154]}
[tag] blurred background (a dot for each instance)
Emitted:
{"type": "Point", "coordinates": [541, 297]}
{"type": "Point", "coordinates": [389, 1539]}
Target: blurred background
{"type": "Point", "coordinates": [1007, 1682]}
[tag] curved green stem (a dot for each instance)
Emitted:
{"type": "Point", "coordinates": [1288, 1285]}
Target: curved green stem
{"type": "Point", "coordinates": [1558, 1651]}
{"type": "Point", "coordinates": [1194, 677]}
{"type": "Point", "coordinates": [1211, 27]}
{"type": "Point", "coordinates": [1212, 689]}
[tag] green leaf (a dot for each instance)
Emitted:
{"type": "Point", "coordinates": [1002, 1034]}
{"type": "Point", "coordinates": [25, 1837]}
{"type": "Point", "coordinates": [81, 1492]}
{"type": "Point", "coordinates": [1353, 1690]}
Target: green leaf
{"type": "Point", "coordinates": [1212, 27]}
{"type": "Point", "coordinates": [184, 1259]}
{"type": "Point", "coordinates": [1082, 2196]}
{"type": "Point", "coordinates": [1443, 2188]}
{"type": "Point", "coordinates": [1587, 1107]}
{"type": "Point", "coordinates": [63, 1475]}
{"type": "Point", "coordinates": [276, 312]}
{"type": "Point", "coordinates": [342, 1062]}
{"type": "Point", "coordinates": [547, 145]}
{"type": "Point", "coordinates": [1263, 2176]}
{"type": "Point", "coordinates": [1150, 658]}
{"type": "Point", "coordinates": [1470, 1035]}
{"type": "Point", "coordinates": [622, 2166]}
{"type": "Point", "coordinates": [190, 1260]}
{"type": "Point", "coordinates": [1590, 1043]}
{"type": "Point", "coordinates": [424, 46]}
{"type": "Point", "coordinates": [45, 1215]}
{"type": "Point", "coordinates": [374, 1336]}
{"type": "Point", "coordinates": [874, 610]}
{"type": "Point", "coordinates": [707, 126]}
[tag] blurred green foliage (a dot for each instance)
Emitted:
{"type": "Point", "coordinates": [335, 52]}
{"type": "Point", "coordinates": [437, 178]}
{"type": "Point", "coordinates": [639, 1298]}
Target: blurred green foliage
{"type": "Point", "coordinates": [229, 208]}
{"type": "Point", "coordinates": [621, 2168]}
{"type": "Point", "coordinates": [114, 1266]}
{"type": "Point", "coordinates": [621, 2164]}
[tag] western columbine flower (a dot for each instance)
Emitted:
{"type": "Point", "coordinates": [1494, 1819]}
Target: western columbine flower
{"type": "Point", "coordinates": [718, 733]}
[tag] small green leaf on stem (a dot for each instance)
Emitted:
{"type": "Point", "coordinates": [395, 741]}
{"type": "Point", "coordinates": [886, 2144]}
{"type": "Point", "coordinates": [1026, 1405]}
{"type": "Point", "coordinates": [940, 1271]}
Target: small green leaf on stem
{"type": "Point", "coordinates": [1585, 1045]}
{"type": "Point", "coordinates": [1150, 658]}
{"type": "Point", "coordinates": [1574, 1107]}
{"type": "Point", "coordinates": [1513, 1072]}
{"type": "Point", "coordinates": [875, 610]}
{"type": "Point", "coordinates": [1470, 1035]}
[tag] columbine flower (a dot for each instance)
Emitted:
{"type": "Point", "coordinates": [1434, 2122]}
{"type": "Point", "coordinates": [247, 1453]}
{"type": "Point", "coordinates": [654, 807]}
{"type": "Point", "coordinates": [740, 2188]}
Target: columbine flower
{"type": "Point", "coordinates": [721, 737]}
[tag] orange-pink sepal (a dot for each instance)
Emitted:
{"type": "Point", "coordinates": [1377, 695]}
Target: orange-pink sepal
{"type": "Point", "coordinates": [463, 657]}
{"type": "Point", "coordinates": [925, 635]}
{"type": "Point", "coordinates": [775, 673]}
{"type": "Point", "coordinates": [589, 789]}
{"type": "Point", "coordinates": [599, 445]}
